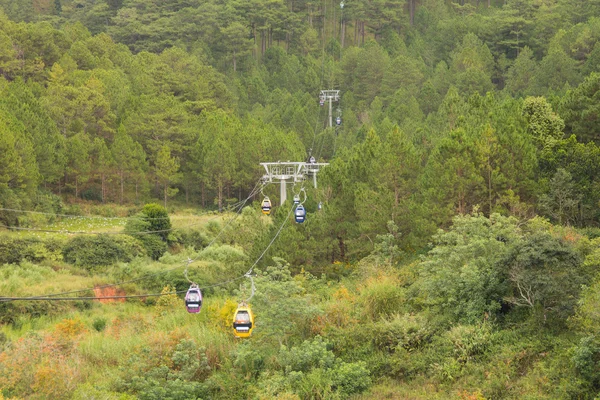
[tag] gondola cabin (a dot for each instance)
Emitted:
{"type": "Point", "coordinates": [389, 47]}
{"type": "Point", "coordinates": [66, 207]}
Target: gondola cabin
{"type": "Point", "coordinates": [300, 214]}
{"type": "Point", "coordinates": [243, 321]}
{"type": "Point", "coordinates": [193, 299]}
{"type": "Point", "coordinates": [338, 121]}
{"type": "Point", "coordinates": [266, 206]}
{"type": "Point", "coordinates": [321, 101]}
{"type": "Point", "coordinates": [296, 199]}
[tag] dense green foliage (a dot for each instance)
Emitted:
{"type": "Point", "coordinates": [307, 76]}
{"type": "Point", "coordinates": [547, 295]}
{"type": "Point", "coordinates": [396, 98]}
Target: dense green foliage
{"type": "Point", "coordinates": [101, 250]}
{"type": "Point", "coordinates": [456, 253]}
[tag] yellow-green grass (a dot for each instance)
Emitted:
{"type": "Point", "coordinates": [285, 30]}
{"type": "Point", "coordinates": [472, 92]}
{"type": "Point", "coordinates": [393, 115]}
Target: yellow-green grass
{"type": "Point", "coordinates": [66, 227]}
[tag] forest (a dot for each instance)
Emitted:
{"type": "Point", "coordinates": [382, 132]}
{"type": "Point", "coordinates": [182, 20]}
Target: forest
{"type": "Point", "coordinates": [451, 249]}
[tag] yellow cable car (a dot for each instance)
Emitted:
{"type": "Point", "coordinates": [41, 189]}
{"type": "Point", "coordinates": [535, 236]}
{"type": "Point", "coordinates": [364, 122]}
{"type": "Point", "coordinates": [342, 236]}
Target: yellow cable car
{"type": "Point", "coordinates": [243, 321]}
{"type": "Point", "coordinates": [266, 206]}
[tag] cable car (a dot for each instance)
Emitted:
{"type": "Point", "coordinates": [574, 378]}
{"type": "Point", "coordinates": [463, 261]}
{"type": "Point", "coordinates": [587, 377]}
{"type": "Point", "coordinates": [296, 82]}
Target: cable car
{"type": "Point", "coordinates": [193, 299]}
{"type": "Point", "coordinates": [266, 206]}
{"type": "Point", "coordinates": [300, 214]}
{"type": "Point", "coordinates": [320, 206]}
{"type": "Point", "coordinates": [338, 121]}
{"type": "Point", "coordinates": [321, 101]}
{"type": "Point", "coordinates": [243, 321]}
{"type": "Point", "coordinates": [296, 199]}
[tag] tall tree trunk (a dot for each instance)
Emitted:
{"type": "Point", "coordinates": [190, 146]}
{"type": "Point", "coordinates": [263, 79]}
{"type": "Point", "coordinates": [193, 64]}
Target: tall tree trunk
{"type": "Point", "coordinates": [342, 247]}
{"type": "Point", "coordinates": [412, 6]}
{"type": "Point", "coordinates": [324, 22]}
{"type": "Point", "coordinates": [202, 195]}
{"type": "Point", "coordinates": [234, 63]}
{"type": "Point", "coordinates": [362, 31]}
{"type": "Point", "coordinates": [254, 53]}
{"type": "Point", "coordinates": [122, 182]}
{"type": "Point", "coordinates": [220, 196]}
{"type": "Point", "coordinates": [343, 32]}
{"type": "Point", "coordinates": [334, 24]}
{"type": "Point", "coordinates": [165, 193]}
{"type": "Point", "coordinates": [490, 189]}
{"type": "Point", "coordinates": [103, 179]}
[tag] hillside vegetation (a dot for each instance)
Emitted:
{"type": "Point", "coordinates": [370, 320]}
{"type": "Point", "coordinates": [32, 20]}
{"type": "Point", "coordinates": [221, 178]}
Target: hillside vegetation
{"type": "Point", "coordinates": [451, 249]}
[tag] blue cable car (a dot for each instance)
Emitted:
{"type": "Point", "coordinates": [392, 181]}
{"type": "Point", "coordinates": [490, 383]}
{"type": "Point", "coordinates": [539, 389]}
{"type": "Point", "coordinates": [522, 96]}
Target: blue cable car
{"type": "Point", "coordinates": [321, 101]}
{"type": "Point", "coordinates": [300, 214]}
{"type": "Point", "coordinates": [338, 121]}
{"type": "Point", "coordinates": [193, 299]}
{"type": "Point", "coordinates": [296, 199]}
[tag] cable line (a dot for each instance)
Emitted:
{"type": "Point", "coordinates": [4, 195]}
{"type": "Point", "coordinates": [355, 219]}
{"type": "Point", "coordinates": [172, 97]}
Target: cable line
{"type": "Point", "coordinates": [75, 216]}
{"type": "Point", "coordinates": [50, 297]}
{"type": "Point", "coordinates": [254, 191]}
{"type": "Point", "coordinates": [68, 232]}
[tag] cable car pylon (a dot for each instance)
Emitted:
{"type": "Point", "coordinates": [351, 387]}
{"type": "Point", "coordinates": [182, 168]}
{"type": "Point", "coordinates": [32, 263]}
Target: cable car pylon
{"type": "Point", "coordinates": [329, 96]}
{"type": "Point", "coordinates": [292, 172]}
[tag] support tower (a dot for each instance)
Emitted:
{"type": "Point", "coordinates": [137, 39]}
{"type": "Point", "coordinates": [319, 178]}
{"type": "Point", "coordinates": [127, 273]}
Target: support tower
{"type": "Point", "coordinates": [293, 172]}
{"type": "Point", "coordinates": [330, 96]}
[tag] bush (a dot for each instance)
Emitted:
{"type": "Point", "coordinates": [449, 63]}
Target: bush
{"type": "Point", "coordinates": [407, 331]}
{"type": "Point", "coordinates": [158, 218]}
{"type": "Point", "coordinates": [178, 375]}
{"type": "Point", "coordinates": [14, 250]}
{"type": "Point", "coordinates": [99, 324]}
{"type": "Point", "coordinates": [308, 355]}
{"type": "Point", "coordinates": [313, 371]}
{"type": "Point", "coordinates": [153, 218]}
{"type": "Point", "coordinates": [193, 238]}
{"type": "Point", "coordinates": [382, 297]}
{"type": "Point", "coordinates": [101, 250]}
{"type": "Point", "coordinates": [350, 378]}
{"type": "Point", "coordinates": [153, 245]}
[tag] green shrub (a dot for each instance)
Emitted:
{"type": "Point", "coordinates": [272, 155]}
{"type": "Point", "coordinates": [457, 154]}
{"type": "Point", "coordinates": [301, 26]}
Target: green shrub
{"type": "Point", "coordinates": [586, 358]}
{"type": "Point", "coordinates": [153, 218]}
{"type": "Point", "coordinates": [313, 371]}
{"type": "Point", "coordinates": [158, 218]}
{"type": "Point", "coordinates": [101, 250]}
{"type": "Point", "coordinates": [177, 377]}
{"type": "Point", "coordinates": [87, 391]}
{"type": "Point", "coordinates": [99, 324]}
{"type": "Point", "coordinates": [308, 355]}
{"type": "Point", "coordinates": [382, 297]}
{"type": "Point", "coordinates": [154, 245]}
{"type": "Point", "coordinates": [469, 341]}
{"type": "Point", "coordinates": [350, 378]}
{"type": "Point", "coordinates": [193, 238]}
{"type": "Point", "coordinates": [406, 331]}
{"type": "Point", "coordinates": [14, 250]}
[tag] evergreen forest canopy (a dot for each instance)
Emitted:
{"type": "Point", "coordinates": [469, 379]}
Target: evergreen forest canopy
{"type": "Point", "coordinates": [449, 107]}
{"type": "Point", "coordinates": [480, 117]}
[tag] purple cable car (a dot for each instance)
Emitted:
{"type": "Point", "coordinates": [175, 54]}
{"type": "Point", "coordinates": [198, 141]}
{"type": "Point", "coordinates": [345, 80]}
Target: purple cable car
{"type": "Point", "coordinates": [193, 299]}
